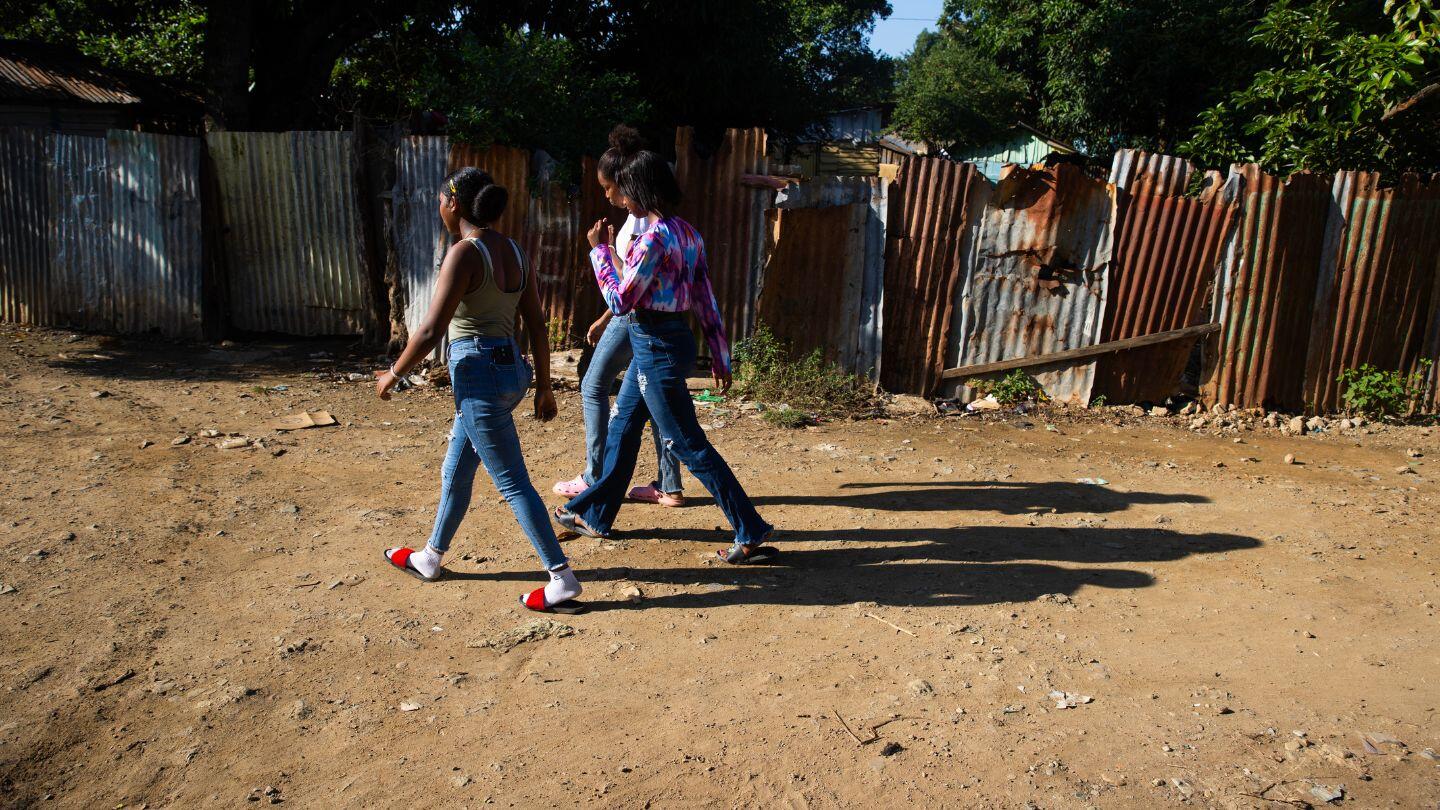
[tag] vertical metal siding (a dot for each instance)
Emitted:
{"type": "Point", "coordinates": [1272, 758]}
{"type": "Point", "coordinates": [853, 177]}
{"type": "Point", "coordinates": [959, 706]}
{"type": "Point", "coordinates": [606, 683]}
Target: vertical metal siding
{"type": "Point", "coordinates": [928, 211]}
{"type": "Point", "coordinates": [155, 232]}
{"type": "Point", "coordinates": [1167, 252]}
{"type": "Point", "coordinates": [80, 219]}
{"type": "Point", "coordinates": [420, 237]}
{"type": "Point", "coordinates": [1140, 172]}
{"type": "Point", "coordinates": [729, 216]}
{"type": "Point", "coordinates": [1265, 296]}
{"type": "Point", "coordinates": [553, 240]}
{"type": "Point", "coordinates": [292, 246]}
{"type": "Point", "coordinates": [24, 244]}
{"type": "Point", "coordinates": [102, 233]}
{"type": "Point", "coordinates": [510, 167]}
{"type": "Point", "coordinates": [1373, 296]}
{"type": "Point", "coordinates": [1038, 284]}
{"type": "Point", "coordinates": [814, 280]}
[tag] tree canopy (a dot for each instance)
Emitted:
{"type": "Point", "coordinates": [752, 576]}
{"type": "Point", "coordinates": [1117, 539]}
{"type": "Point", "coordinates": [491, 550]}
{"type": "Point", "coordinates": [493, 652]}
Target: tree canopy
{"type": "Point", "coordinates": [949, 93]}
{"type": "Point", "coordinates": [1337, 69]}
{"type": "Point", "coordinates": [551, 73]}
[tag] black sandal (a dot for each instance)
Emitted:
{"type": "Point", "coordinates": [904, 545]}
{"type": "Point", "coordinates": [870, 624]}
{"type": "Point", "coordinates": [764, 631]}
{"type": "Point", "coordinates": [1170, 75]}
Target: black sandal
{"type": "Point", "coordinates": [755, 554]}
{"type": "Point", "coordinates": [571, 522]}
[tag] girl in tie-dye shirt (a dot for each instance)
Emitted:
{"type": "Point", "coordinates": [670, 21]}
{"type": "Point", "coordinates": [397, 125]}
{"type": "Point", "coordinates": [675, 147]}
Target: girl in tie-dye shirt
{"type": "Point", "coordinates": [665, 271]}
{"type": "Point", "coordinates": [663, 276]}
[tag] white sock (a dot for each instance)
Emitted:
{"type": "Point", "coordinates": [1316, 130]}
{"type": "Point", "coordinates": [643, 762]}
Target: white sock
{"type": "Point", "coordinates": [426, 561]}
{"type": "Point", "coordinates": [562, 586]}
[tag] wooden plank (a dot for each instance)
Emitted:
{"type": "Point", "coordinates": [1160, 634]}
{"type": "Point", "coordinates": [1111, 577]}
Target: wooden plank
{"type": "Point", "coordinates": [1081, 353]}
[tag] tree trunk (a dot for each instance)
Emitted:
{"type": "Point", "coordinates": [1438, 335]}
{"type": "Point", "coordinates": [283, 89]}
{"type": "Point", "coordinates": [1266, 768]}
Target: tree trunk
{"type": "Point", "coordinates": [229, 28]}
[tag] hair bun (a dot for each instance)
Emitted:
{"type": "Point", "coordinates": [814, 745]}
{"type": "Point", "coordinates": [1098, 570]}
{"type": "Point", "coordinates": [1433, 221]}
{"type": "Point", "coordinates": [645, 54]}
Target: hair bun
{"type": "Point", "coordinates": [490, 202]}
{"type": "Point", "coordinates": [626, 140]}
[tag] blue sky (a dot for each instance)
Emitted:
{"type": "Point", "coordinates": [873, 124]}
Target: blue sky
{"type": "Point", "coordinates": [907, 19]}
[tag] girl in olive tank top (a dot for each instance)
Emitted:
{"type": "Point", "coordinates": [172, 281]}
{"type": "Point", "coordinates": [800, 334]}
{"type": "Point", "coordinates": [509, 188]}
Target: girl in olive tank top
{"type": "Point", "coordinates": [484, 283]}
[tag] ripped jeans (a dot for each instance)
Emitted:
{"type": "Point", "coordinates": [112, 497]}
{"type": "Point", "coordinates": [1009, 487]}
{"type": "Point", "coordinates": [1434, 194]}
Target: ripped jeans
{"type": "Point", "coordinates": [489, 378]}
{"type": "Point", "coordinates": [654, 388]}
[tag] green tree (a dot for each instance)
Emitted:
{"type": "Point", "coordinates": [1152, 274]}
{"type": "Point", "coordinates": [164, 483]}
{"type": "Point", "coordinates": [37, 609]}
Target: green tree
{"type": "Point", "coordinates": [1114, 73]}
{"type": "Point", "coordinates": [950, 93]}
{"type": "Point", "coordinates": [1320, 106]}
{"type": "Point", "coordinates": [160, 38]}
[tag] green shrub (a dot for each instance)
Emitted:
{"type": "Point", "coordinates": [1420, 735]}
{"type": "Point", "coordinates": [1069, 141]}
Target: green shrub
{"type": "Point", "coordinates": [1017, 386]}
{"type": "Point", "coordinates": [1373, 392]}
{"type": "Point", "coordinates": [787, 417]}
{"type": "Point", "coordinates": [765, 371]}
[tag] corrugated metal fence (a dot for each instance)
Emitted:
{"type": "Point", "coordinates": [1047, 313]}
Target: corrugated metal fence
{"type": "Point", "coordinates": [1306, 276]}
{"type": "Point", "coordinates": [101, 233]}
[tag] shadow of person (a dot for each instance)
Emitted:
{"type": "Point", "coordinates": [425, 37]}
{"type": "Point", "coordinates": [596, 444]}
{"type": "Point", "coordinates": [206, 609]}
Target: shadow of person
{"type": "Point", "coordinates": [916, 567]}
{"type": "Point", "coordinates": [1005, 497]}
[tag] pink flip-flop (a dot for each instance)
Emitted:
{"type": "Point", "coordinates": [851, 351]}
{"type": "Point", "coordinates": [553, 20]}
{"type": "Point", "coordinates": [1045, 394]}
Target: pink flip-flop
{"type": "Point", "coordinates": [653, 494]}
{"type": "Point", "coordinates": [571, 488]}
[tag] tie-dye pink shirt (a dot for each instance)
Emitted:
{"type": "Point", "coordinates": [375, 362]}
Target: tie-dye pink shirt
{"type": "Point", "coordinates": [665, 270]}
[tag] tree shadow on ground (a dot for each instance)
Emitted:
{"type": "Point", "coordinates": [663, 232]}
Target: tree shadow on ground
{"type": "Point", "coordinates": [140, 359]}
{"type": "Point", "coordinates": [1005, 497]}
{"type": "Point", "coordinates": [975, 565]}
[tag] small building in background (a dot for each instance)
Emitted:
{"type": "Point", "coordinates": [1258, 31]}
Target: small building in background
{"type": "Point", "coordinates": [1025, 145]}
{"type": "Point", "coordinates": [50, 87]}
{"type": "Point", "coordinates": [855, 144]}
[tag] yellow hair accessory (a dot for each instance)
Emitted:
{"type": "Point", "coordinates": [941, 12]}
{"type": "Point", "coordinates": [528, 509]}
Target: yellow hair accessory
{"type": "Point", "coordinates": [453, 190]}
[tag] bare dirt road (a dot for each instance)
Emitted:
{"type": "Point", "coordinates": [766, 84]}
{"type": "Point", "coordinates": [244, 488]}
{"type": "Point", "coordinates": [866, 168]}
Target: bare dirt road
{"type": "Point", "coordinates": [191, 626]}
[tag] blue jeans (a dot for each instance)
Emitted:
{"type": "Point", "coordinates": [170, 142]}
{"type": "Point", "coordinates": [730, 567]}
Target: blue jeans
{"type": "Point", "coordinates": [486, 392]}
{"type": "Point", "coordinates": [612, 355]}
{"type": "Point", "coordinates": [654, 388]}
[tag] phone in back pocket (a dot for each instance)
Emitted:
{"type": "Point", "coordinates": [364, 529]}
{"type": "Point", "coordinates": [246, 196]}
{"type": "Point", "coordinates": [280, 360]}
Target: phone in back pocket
{"type": "Point", "coordinates": [503, 355]}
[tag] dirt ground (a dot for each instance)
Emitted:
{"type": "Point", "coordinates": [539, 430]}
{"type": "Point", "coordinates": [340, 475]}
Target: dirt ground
{"type": "Point", "coordinates": [193, 626]}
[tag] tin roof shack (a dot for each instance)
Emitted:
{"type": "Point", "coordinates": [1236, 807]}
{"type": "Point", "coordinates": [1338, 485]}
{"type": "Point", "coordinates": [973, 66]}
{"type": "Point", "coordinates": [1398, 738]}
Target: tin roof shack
{"type": "Point", "coordinates": [55, 88]}
{"type": "Point", "coordinates": [1024, 146]}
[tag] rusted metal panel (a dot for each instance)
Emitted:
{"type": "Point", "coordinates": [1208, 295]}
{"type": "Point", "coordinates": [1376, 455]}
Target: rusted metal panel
{"type": "Point", "coordinates": [292, 232]}
{"type": "Point", "coordinates": [24, 233]}
{"type": "Point", "coordinates": [155, 233]}
{"type": "Point", "coordinates": [814, 280]}
{"type": "Point", "coordinates": [1139, 172]}
{"type": "Point", "coordinates": [510, 167]}
{"type": "Point", "coordinates": [1039, 278]}
{"type": "Point", "coordinates": [1167, 252]}
{"type": "Point", "coordinates": [729, 216]}
{"type": "Point", "coordinates": [928, 209]}
{"type": "Point", "coordinates": [553, 240]}
{"type": "Point", "coordinates": [1377, 276]}
{"type": "Point", "coordinates": [420, 237]}
{"type": "Point", "coordinates": [1265, 293]}
{"type": "Point", "coordinates": [57, 77]}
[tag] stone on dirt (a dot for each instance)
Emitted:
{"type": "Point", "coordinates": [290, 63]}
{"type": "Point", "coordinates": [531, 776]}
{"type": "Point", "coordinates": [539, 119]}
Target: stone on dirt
{"type": "Point", "coordinates": [1297, 425]}
{"type": "Point", "coordinates": [533, 631]}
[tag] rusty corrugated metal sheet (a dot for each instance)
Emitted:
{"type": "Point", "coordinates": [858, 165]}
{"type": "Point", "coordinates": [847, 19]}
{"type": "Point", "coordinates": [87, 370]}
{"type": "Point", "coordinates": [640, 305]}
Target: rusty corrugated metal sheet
{"type": "Point", "coordinates": [511, 168]}
{"type": "Point", "coordinates": [292, 232]}
{"type": "Point", "coordinates": [155, 233]}
{"type": "Point", "coordinates": [1374, 294]}
{"type": "Point", "coordinates": [1265, 293]}
{"type": "Point", "coordinates": [24, 240]}
{"type": "Point", "coordinates": [57, 77]}
{"type": "Point", "coordinates": [420, 237]}
{"type": "Point", "coordinates": [1167, 251]}
{"type": "Point", "coordinates": [929, 207]}
{"type": "Point", "coordinates": [553, 244]}
{"type": "Point", "coordinates": [863, 319]}
{"type": "Point", "coordinates": [814, 280]}
{"type": "Point", "coordinates": [729, 216]}
{"type": "Point", "coordinates": [1139, 172]}
{"type": "Point", "coordinates": [1039, 278]}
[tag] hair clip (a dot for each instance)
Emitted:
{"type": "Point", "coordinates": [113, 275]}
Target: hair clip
{"type": "Point", "coordinates": [453, 190]}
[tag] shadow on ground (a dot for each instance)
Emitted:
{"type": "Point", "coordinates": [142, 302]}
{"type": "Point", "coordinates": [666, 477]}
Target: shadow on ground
{"type": "Point", "coordinates": [971, 565]}
{"type": "Point", "coordinates": [1005, 497]}
{"type": "Point", "coordinates": [139, 359]}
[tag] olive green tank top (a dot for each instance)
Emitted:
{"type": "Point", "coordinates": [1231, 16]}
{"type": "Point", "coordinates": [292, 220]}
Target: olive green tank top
{"type": "Point", "coordinates": [487, 310]}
